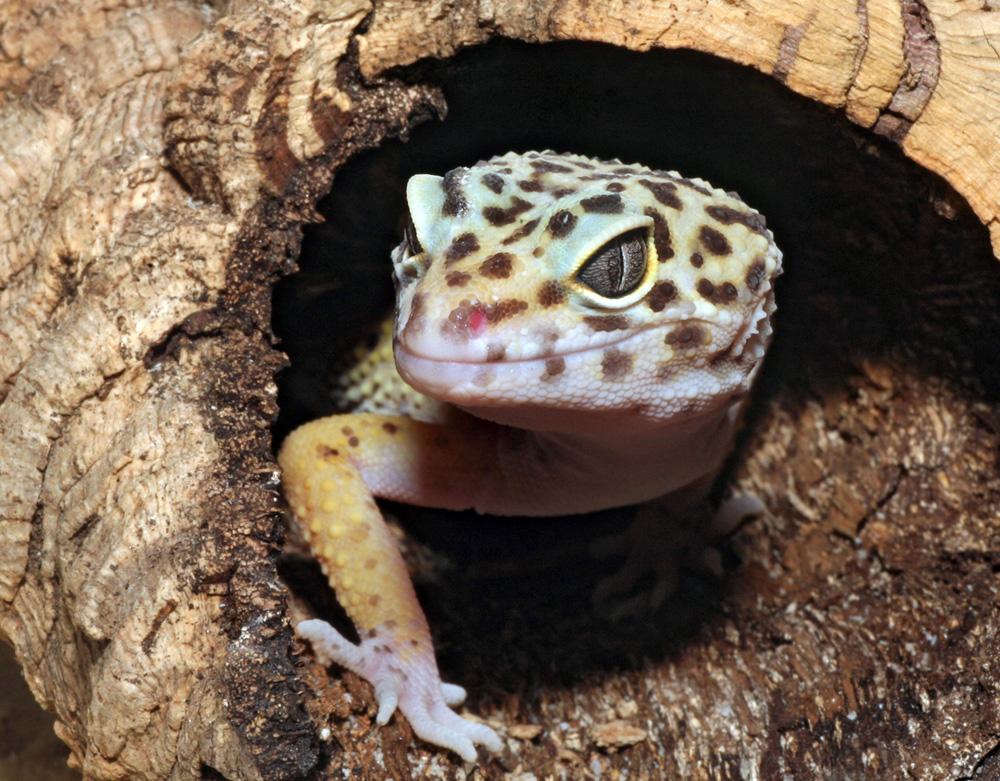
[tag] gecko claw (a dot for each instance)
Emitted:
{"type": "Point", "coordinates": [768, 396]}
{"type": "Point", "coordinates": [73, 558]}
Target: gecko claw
{"type": "Point", "coordinates": [453, 694]}
{"type": "Point", "coordinates": [407, 680]}
{"type": "Point", "coordinates": [387, 700]}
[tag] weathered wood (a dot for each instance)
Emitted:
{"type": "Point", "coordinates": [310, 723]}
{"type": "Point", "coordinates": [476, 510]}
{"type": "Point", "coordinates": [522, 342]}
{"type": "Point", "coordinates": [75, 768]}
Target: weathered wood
{"type": "Point", "coordinates": [923, 73]}
{"type": "Point", "coordinates": [155, 167]}
{"type": "Point", "coordinates": [137, 502]}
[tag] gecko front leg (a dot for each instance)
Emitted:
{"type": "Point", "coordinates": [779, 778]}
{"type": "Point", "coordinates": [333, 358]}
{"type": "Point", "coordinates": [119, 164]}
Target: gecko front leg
{"type": "Point", "coordinates": [330, 467]}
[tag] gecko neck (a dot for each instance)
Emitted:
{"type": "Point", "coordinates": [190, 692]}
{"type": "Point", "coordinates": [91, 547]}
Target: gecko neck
{"type": "Point", "coordinates": [608, 461]}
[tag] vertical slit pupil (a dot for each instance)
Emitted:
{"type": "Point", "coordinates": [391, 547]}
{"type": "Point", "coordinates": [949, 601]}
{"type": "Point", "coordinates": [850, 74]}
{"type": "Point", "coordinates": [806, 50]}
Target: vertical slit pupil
{"type": "Point", "coordinates": [617, 267]}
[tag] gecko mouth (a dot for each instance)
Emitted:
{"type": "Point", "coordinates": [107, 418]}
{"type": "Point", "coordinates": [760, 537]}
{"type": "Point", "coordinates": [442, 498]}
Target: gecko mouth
{"type": "Point", "coordinates": [505, 382]}
{"type": "Point", "coordinates": [462, 381]}
{"type": "Point", "coordinates": [496, 356]}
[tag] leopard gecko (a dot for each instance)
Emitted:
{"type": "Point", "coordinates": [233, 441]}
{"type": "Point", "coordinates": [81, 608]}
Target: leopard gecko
{"type": "Point", "coordinates": [577, 334]}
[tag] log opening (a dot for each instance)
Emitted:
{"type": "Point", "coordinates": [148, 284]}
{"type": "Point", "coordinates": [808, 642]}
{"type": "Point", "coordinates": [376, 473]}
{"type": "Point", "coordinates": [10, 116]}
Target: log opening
{"type": "Point", "coordinates": [872, 347]}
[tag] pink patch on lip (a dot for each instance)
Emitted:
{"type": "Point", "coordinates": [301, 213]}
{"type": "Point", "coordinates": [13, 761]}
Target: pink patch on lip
{"type": "Point", "coordinates": [477, 322]}
{"type": "Point", "coordinates": [467, 320]}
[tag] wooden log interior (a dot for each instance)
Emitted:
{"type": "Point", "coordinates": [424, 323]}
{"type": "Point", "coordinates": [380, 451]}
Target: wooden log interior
{"type": "Point", "coordinates": [158, 164]}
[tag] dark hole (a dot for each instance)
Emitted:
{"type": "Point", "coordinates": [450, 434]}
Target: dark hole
{"type": "Point", "coordinates": [872, 269]}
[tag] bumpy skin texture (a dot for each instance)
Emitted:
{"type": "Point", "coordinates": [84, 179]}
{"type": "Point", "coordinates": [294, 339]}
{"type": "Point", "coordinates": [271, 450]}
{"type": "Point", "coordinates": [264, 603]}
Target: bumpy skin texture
{"type": "Point", "coordinates": [587, 333]}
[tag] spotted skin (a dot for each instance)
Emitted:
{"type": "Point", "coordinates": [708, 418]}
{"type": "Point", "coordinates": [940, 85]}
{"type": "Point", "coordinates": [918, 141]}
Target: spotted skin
{"type": "Point", "coordinates": [610, 318]}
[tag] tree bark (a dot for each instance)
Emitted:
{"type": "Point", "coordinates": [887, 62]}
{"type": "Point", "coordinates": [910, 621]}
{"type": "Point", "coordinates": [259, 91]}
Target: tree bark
{"type": "Point", "coordinates": [156, 167]}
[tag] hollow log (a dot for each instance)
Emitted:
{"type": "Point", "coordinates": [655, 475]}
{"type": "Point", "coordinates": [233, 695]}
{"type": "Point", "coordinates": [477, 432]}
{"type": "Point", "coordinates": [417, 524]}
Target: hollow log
{"type": "Point", "coordinates": [159, 164]}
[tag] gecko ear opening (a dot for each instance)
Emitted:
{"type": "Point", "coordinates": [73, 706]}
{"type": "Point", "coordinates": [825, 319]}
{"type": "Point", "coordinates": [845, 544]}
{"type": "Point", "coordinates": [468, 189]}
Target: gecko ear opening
{"type": "Point", "coordinates": [424, 198]}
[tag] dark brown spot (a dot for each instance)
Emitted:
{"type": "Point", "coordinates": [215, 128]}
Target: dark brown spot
{"type": "Point", "coordinates": [727, 215]}
{"type": "Point", "coordinates": [501, 310]}
{"type": "Point", "coordinates": [498, 217]}
{"type": "Point", "coordinates": [664, 192]}
{"type": "Point", "coordinates": [691, 185]}
{"type": "Point", "coordinates": [545, 166]}
{"type": "Point", "coordinates": [581, 164]}
{"type": "Point", "coordinates": [457, 278]}
{"type": "Point", "coordinates": [521, 232]}
{"type": "Point", "coordinates": [549, 338]}
{"type": "Point", "coordinates": [551, 293]}
{"type": "Point", "coordinates": [455, 203]}
{"type": "Point", "coordinates": [607, 322]}
{"type": "Point", "coordinates": [562, 224]}
{"type": "Point", "coordinates": [596, 177]}
{"type": "Point", "coordinates": [714, 241]}
{"type": "Point", "coordinates": [697, 260]}
{"type": "Point", "coordinates": [661, 295]}
{"type": "Point", "coordinates": [623, 170]}
{"type": "Point", "coordinates": [390, 428]}
{"type": "Point", "coordinates": [494, 182]}
{"type": "Point", "coordinates": [531, 185]}
{"type": "Point", "coordinates": [722, 294]}
{"type": "Point", "coordinates": [326, 452]}
{"type": "Point", "coordinates": [614, 187]}
{"type": "Point", "coordinates": [461, 247]}
{"type": "Point", "coordinates": [347, 431]}
{"type": "Point", "coordinates": [603, 204]}
{"type": "Point", "coordinates": [661, 235]}
{"type": "Point", "coordinates": [353, 441]}
{"type": "Point", "coordinates": [497, 266]}
{"type": "Point", "coordinates": [495, 352]}
{"type": "Point", "coordinates": [685, 337]}
{"type": "Point", "coordinates": [755, 275]}
{"type": "Point", "coordinates": [554, 367]}
{"type": "Point", "coordinates": [537, 252]}
{"type": "Point", "coordinates": [562, 192]}
{"type": "Point", "coordinates": [615, 363]}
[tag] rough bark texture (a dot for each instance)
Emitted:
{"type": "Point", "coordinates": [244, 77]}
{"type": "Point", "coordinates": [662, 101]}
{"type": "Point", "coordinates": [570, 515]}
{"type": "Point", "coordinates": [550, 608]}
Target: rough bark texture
{"type": "Point", "coordinates": [156, 164]}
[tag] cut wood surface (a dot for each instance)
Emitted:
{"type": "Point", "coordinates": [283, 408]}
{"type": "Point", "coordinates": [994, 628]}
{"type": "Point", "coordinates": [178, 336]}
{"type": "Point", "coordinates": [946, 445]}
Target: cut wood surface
{"type": "Point", "coordinates": [157, 163]}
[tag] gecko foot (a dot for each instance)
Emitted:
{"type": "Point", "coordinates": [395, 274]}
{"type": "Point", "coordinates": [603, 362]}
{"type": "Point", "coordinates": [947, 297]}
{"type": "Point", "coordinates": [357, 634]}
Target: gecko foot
{"type": "Point", "coordinates": [660, 540]}
{"type": "Point", "coordinates": [405, 678]}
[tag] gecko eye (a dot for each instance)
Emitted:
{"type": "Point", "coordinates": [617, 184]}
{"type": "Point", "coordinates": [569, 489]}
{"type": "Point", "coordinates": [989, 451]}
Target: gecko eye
{"type": "Point", "coordinates": [617, 268]}
{"type": "Point", "coordinates": [410, 236]}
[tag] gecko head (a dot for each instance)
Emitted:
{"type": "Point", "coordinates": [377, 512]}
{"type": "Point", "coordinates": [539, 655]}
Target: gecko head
{"type": "Point", "coordinates": [557, 282]}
